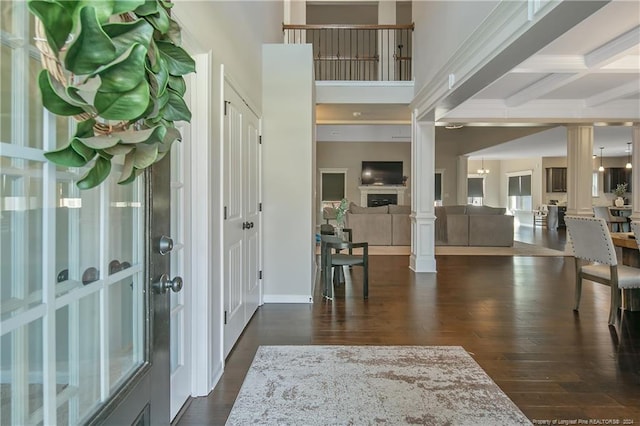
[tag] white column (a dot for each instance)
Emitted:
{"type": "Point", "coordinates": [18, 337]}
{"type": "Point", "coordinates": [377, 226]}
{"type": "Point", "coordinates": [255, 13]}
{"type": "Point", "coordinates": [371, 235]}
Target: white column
{"type": "Point", "coordinates": [463, 173]}
{"type": "Point", "coordinates": [635, 180]}
{"type": "Point", "coordinates": [579, 170]}
{"type": "Point", "coordinates": [387, 40]}
{"type": "Point", "coordinates": [422, 196]}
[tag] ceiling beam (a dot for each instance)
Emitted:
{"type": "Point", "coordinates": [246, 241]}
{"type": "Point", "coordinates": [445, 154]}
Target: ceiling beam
{"type": "Point", "coordinates": [614, 49]}
{"type": "Point", "coordinates": [620, 92]}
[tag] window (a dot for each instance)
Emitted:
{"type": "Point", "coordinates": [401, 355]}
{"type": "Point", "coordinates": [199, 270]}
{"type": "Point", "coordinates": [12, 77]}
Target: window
{"type": "Point", "coordinates": [520, 192]}
{"type": "Point", "coordinates": [475, 190]}
{"type": "Point", "coordinates": [332, 186]}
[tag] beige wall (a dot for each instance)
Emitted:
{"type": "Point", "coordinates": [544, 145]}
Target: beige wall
{"type": "Point", "coordinates": [350, 155]}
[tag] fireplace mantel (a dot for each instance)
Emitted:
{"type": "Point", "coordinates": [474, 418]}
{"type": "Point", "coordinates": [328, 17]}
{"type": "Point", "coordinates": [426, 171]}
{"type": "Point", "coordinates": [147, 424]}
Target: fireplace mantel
{"type": "Point", "coordinates": [381, 189]}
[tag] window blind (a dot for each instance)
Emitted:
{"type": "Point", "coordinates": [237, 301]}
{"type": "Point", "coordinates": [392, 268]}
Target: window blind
{"type": "Point", "coordinates": [475, 187]}
{"type": "Point", "coordinates": [332, 186]}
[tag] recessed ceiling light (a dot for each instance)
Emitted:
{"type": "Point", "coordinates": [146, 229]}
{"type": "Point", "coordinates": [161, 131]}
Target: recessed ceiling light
{"type": "Point", "coordinates": [357, 113]}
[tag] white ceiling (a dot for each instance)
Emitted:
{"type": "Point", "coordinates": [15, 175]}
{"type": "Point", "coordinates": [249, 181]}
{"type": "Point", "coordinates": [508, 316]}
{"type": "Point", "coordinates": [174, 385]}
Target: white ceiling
{"type": "Point", "coordinates": [590, 74]}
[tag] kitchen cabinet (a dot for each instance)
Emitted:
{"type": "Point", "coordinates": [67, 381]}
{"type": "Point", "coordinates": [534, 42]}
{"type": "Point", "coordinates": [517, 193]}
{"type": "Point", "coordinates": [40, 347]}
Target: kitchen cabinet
{"type": "Point", "coordinates": [556, 179]}
{"type": "Point", "coordinates": [614, 176]}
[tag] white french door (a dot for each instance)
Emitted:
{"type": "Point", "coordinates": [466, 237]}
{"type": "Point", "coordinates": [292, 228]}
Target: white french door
{"type": "Point", "coordinates": [241, 197]}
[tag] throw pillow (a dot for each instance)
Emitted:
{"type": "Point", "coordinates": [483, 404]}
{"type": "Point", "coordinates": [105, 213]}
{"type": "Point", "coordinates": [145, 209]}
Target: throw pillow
{"type": "Point", "coordinates": [395, 209]}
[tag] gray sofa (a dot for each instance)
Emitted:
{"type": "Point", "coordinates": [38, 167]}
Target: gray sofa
{"type": "Point", "coordinates": [473, 226]}
{"type": "Point", "coordinates": [380, 226]}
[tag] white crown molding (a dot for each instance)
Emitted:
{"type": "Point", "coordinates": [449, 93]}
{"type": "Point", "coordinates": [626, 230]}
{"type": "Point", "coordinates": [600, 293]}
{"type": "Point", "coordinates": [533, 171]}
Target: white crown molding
{"type": "Point", "coordinates": [363, 133]}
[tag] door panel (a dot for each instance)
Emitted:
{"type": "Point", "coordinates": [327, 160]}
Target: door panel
{"type": "Point", "coordinates": [242, 216]}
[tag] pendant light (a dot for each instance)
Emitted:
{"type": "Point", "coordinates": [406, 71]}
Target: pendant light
{"type": "Point", "coordinates": [601, 168]}
{"type": "Point", "coordinates": [483, 171]}
{"type": "Point", "coordinates": [628, 165]}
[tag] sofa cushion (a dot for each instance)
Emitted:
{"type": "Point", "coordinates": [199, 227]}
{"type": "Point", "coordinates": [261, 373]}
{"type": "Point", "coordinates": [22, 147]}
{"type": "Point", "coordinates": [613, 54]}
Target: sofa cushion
{"type": "Point", "coordinates": [485, 210]}
{"type": "Point", "coordinates": [372, 228]}
{"type": "Point", "coordinates": [395, 209]}
{"type": "Point", "coordinates": [491, 230]}
{"type": "Point", "coordinates": [368, 210]}
{"type": "Point", "coordinates": [400, 230]}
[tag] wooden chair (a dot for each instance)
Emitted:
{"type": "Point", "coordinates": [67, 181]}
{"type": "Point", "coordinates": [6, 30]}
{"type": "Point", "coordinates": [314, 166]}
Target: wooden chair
{"type": "Point", "coordinates": [595, 260]}
{"type": "Point", "coordinates": [604, 213]}
{"type": "Point", "coordinates": [332, 258]}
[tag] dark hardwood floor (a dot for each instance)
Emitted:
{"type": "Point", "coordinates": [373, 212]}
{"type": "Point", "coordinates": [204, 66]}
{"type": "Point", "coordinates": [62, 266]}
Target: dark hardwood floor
{"type": "Point", "coordinates": [512, 314]}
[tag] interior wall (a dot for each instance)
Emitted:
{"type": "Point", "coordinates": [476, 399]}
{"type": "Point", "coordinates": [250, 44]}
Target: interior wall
{"type": "Point", "coordinates": [288, 136]}
{"type": "Point", "coordinates": [456, 19]}
{"type": "Point", "coordinates": [350, 14]}
{"type": "Point", "coordinates": [350, 155]}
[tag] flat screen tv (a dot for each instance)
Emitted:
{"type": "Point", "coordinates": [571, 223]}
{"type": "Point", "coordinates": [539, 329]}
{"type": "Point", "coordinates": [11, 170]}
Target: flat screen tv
{"type": "Point", "coordinates": [382, 172]}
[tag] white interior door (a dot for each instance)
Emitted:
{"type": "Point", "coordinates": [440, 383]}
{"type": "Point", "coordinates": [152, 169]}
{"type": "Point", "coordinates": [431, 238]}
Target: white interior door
{"type": "Point", "coordinates": [241, 196]}
{"type": "Point", "coordinates": [180, 308]}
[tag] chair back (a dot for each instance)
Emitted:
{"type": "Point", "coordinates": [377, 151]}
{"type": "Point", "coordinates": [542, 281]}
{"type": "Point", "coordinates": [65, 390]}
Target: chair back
{"type": "Point", "coordinates": [591, 239]}
{"type": "Point", "coordinates": [635, 228]}
{"type": "Point", "coordinates": [602, 212]}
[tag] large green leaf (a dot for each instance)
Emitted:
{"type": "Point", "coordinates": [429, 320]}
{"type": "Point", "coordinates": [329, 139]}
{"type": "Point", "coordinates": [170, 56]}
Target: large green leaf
{"type": "Point", "coordinates": [54, 96]}
{"type": "Point", "coordinates": [154, 135]}
{"type": "Point", "coordinates": [148, 8]}
{"type": "Point", "coordinates": [96, 175]}
{"type": "Point", "coordinates": [172, 135]}
{"type": "Point", "coordinates": [178, 85]}
{"type": "Point", "coordinates": [145, 155]}
{"type": "Point", "coordinates": [161, 77]}
{"type": "Point", "coordinates": [122, 6]}
{"type": "Point", "coordinates": [178, 61]}
{"type": "Point", "coordinates": [159, 20]}
{"type": "Point", "coordinates": [128, 171]}
{"type": "Point", "coordinates": [119, 149]}
{"type": "Point", "coordinates": [83, 150]}
{"type": "Point", "coordinates": [66, 157]}
{"type": "Point", "coordinates": [123, 106]}
{"type": "Point", "coordinates": [57, 21]}
{"type": "Point", "coordinates": [100, 142]}
{"type": "Point", "coordinates": [92, 48]}
{"type": "Point", "coordinates": [103, 8]}
{"type": "Point", "coordinates": [84, 129]}
{"type": "Point", "coordinates": [176, 109]}
{"type": "Point", "coordinates": [125, 34]}
{"type": "Point", "coordinates": [174, 33]}
{"type": "Point", "coordinates": [126, 74]}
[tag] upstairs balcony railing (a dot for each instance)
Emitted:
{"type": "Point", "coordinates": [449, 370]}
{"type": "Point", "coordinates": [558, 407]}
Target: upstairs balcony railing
{"type": "Point", "coordinates": [357, 52]}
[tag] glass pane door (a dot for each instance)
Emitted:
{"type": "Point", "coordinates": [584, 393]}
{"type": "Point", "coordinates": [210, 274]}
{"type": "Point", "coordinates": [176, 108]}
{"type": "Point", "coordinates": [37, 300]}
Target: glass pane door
{"type": "Point", "coordinates": [72, 313]}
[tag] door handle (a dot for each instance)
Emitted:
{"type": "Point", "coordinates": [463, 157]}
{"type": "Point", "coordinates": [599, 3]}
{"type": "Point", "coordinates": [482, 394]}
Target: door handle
{"type": "Point", "coordinates": [245, 225]}
{"type": "Point", "coordinates": [164, 284]}
{"type": "Point", "coordinates": [165, 245]}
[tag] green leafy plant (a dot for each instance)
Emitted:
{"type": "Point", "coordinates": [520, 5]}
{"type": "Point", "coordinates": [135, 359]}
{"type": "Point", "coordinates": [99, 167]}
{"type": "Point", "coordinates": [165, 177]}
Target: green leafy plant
{"type": "Point", "coordinates": [621, 189]}
{"type": "Point", "coordinates": [341, 211]}
{"type": "Point", "coordinates": [116, 66]}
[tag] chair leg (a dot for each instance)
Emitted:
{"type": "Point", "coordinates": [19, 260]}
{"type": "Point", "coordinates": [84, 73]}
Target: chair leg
{"type": "Point", "coordinates": [578, 290]}
{"type": "Point", "coordinates": [615, 303]}
{"type": "Point", "coordinates": [328, 283]}
{"type": "Point", "coordinates": [365, 281]}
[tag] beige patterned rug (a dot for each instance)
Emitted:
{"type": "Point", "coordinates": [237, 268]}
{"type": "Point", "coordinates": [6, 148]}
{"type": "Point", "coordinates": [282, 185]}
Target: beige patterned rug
{"type": "Point", "coordinates": [366, 385]}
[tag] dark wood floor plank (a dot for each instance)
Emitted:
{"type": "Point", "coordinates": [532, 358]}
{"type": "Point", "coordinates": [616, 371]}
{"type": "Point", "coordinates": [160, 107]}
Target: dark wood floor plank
{"type": "Point", "coordinates": [512, 314]}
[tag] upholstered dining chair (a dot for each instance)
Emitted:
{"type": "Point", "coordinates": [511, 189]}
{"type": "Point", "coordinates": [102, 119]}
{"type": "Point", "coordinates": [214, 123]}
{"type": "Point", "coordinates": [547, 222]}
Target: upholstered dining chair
{"type": "Point", "coordinates": [332, 258]}
{"type": "Point", "coordinates": [604, 213]}
{"type": "Point", "coordinates": [595, 260]}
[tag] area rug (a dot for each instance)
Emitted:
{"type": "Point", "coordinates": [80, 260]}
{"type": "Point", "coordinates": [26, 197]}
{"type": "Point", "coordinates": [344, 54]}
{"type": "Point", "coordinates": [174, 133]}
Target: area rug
{"type": "Point", "coordinates": [365, 385]}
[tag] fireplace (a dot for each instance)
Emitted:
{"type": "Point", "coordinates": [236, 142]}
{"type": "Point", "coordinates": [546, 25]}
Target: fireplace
{"type": "Point", "coordinates": [394, 193]}
{"type": "Point", "coordinates": [374, 200]}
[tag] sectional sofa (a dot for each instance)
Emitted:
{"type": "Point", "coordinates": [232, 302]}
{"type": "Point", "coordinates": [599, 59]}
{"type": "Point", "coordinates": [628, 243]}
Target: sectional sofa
{"type": "Point", "coordinates": [473, 226]}
{"type": "Point", "coordinates": [380, 226]}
